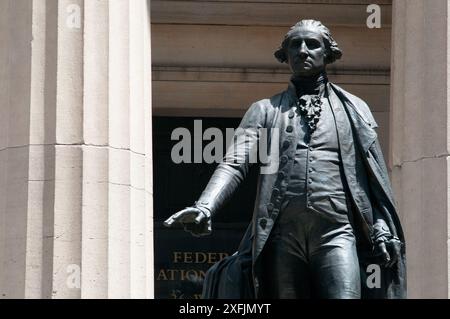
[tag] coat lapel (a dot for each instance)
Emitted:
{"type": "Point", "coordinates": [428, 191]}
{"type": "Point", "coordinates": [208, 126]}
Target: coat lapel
{"type": "Point", "coordinates": [364, 129]}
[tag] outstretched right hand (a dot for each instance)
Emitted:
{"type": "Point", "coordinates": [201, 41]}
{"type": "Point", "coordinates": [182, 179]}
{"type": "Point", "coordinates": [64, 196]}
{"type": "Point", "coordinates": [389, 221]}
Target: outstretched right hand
{"type": "Point", "coordinates": [195, 221]}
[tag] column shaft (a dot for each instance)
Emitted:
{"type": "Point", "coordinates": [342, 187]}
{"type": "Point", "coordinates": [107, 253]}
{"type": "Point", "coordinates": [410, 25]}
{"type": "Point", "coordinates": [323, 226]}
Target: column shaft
{"type": "Point", "coordinates": [420, 140]}
{"type": "Point", "coordinates": [75, 149]}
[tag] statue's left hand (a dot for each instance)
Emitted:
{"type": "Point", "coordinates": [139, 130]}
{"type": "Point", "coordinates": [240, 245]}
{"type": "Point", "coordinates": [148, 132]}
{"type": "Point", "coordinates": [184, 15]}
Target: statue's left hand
{"type": "Point", "coordinates": [390, 251]}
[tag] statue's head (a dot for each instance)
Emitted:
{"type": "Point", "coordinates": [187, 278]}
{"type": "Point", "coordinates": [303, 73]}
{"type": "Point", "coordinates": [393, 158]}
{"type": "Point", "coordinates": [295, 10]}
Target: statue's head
{"type": "Point", "coordinates": [307, 48]}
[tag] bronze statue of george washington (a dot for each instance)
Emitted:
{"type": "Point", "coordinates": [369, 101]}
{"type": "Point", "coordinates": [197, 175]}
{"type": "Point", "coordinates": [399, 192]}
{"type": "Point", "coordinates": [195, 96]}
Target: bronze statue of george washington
{"type": "Point", "coordinates": [324, 223]}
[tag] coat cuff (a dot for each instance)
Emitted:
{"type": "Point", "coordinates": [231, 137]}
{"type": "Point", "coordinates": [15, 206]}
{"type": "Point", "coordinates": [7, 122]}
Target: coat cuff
{"type": "Point", "coordinates": [381, 232]}
{"type": "Point", "coordinates": [204, 209]}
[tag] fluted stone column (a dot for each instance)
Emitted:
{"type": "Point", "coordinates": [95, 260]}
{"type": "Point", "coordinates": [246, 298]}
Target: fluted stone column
{"type": "Point", "coordinates": [420, 140]}
{"type": "Point", "coordinates": [75, 149]}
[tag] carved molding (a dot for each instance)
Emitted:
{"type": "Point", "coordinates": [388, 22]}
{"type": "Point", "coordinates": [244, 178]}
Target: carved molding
{"type": "Point", "coordinates": [266, 13]}
{"type": "Point", "coordinates": [263, 75]}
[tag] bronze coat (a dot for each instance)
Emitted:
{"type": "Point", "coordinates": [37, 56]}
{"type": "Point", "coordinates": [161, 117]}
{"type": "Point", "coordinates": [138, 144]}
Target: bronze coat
{"type": "Point", "coordinates": [365, 174]}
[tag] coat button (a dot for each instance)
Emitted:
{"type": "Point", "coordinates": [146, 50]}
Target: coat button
{"type": "Point", "coordinates": [291, 114]}
{"type": "Point", "coordinates": [263, 223]}
{"type": "Point", "coordinates": [275, 192]}
{"type": "Point", "coordinates": [289, 128]}
{"type": "Point", "coordinates": [281, 175]}
{"type": "Point", "coordinates": [286, 144]}
{"type": "Point", "coordinates": [284, 159]}
{"type": "Point", "coordinates": [270, 207]}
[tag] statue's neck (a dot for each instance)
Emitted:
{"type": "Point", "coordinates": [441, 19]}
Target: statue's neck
{"type": "Point", "coordinates": [314, 84]}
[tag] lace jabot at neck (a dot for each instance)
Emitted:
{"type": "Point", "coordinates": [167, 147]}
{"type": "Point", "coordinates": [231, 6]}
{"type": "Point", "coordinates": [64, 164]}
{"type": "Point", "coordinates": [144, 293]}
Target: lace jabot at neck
{"type": "Point", "coordinates": [309, 91]}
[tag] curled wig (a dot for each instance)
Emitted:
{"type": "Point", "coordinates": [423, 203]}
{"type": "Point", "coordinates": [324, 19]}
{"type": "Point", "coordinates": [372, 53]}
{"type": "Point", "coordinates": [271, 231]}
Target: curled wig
{"type": "Point", "coordinates": [333, 52]}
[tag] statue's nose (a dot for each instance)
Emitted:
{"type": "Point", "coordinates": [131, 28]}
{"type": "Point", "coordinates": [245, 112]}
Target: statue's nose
{"type": "Point", "coordinates": [303, 55]}
{"type": "Point", "coordinates": [303, 52]}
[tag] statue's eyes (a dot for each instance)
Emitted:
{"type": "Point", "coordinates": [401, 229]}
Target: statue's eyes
{"type": "Point", "coordinates": [312, 43]}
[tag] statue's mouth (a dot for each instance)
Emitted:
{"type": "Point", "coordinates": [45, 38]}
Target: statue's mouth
{"type": "Point", "coordinates": [303, 63]}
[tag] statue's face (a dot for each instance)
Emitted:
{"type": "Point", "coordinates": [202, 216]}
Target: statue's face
{"type": "Point", "coordinates": [306, 52]}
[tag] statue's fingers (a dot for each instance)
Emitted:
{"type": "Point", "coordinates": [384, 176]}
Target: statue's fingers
{"type": "Point", "coordinates": [187, 217]}
{"type": "Point", "coordinates": [175, 218]}
{"type": "Point", "coordinates": [192, 228]}
{"type": "Point", "coordinates": [392, 262]}
{"type": "Point", "coordinates": [200, 217]}
{"type": "Point", "coordinates": [395, 254]}
{"type": "Point", "coordinates": [198, 230]}
{"type": "Point", "coordinates": [169, 221]}
{"type": "Point", "coordinates": [393, 259]}
{"type": "Point", "coordinates": [384, 253]}
{"type": "Point", "coordinates": [386, 258]}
